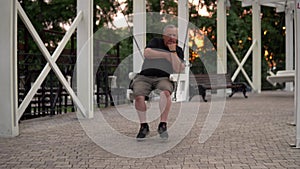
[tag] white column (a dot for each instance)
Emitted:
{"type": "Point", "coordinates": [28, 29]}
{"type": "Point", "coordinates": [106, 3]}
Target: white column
{"type": "Point", "coordinates": [221, 37]}
{"type": "Point", "coordinates": [289, 44]}
{"type": "Point", "coordinates": [221, 42]}
{"type": "Point", "coordinates": [256, 54]}
{"type": "Point", "coordinates": [183, 38]}
{"type": "Point", "coordinates": [85, 81]}
{"type": "Point", "coordinates": [8, 69]}
{"type": "Point", "coordinates": [297, 65]}
{"type": "Point", "coordinates": [139, 33]}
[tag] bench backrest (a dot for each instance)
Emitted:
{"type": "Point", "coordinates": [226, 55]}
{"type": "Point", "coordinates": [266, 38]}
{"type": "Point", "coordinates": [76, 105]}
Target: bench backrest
{"type": "Point", "coordinates": [212, 81]}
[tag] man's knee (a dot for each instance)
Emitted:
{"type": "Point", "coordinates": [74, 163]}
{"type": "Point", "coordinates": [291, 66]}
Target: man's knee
{"type": "Point", "coordinates": [140, 99]}
{"type": "Point", "coordinates": [166, 93]}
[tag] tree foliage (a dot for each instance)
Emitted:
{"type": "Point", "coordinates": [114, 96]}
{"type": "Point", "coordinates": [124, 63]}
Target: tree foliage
{"type": "Point", "coordinates": [51, 14]}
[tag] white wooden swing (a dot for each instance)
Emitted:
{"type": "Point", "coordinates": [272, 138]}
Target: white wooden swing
{"type": "Point", "coordinates": [281, 76]}
{"type": "Point", "coordinates": [155, 93]}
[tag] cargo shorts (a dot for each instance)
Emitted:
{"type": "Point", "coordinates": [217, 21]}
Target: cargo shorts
{"type": "Point", "coordinates": [143, 85]}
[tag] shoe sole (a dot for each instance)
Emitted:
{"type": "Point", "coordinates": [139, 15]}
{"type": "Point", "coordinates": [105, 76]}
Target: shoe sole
{"type": "Point", "coordinates": [164, 135]}
{"type": "Point", "coordinates": [142, 139]}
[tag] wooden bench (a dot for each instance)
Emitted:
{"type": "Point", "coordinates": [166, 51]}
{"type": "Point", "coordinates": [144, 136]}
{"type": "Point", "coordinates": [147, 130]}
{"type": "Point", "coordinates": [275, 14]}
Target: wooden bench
{"type": "Point", "coordinates": [199, 83]}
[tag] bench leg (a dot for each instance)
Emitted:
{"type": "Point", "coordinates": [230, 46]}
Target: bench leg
{"type": "Point", "coordinates": [244, 92]}
{"type": "Point", "coordinates": [244, 89]}
{"type": "Point", "coordinates": [240, 88]}
{"type": "Point", "coordinates": [202, 92]}
{"type": "Point", "coordinates": [192, 92]}
{"type": "Point", "coordinates": [203, 97]}
{"type": "Point", "coordinates": [232, 93]}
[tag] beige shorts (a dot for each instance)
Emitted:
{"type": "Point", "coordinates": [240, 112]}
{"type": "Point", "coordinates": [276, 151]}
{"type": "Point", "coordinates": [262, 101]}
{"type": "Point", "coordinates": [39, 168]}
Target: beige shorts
{"type": "Point", "coordinates": [143, 85]}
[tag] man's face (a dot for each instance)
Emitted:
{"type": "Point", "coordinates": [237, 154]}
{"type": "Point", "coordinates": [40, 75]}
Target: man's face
{"type": "Point", "coordinates": [170, 36]}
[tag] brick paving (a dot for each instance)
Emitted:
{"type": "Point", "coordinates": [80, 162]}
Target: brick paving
{"type": "Point", "coordinates": [253, 133]}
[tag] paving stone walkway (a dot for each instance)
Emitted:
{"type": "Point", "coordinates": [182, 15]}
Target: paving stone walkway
{"type": "Point", "coordinates": [252, 133]}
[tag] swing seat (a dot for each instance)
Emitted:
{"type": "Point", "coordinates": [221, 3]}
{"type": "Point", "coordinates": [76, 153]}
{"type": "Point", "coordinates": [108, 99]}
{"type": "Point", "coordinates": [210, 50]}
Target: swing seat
{"type": "Point", "coordinates": [154, 93]}
{"type": "Point", "coordinates": [281, 76]}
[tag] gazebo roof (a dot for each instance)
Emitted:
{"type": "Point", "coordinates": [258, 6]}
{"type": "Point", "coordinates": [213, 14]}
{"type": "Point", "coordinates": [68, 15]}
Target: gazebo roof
{"type": "Point", "coordinates": [280, 5]}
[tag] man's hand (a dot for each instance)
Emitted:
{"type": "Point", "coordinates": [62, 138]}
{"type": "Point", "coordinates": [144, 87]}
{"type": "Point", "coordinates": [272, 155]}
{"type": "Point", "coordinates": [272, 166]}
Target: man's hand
{"type": "Point", "coordinates": [172, 47]}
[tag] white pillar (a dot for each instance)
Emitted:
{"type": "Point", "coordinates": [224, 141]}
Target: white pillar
{"type": "Point", "coordinates": [289, 43]}
{"type": "Point", "coordinates": [256, 54]}
{"type": "Point", "coordinates": [183, 39]}
{"type": "Point", "coordinates": [85, 81]}
{"type": "Point", "coordinates": [221, 37]}
{"type": "Point", "coordinates": [297, 65]}
{"type": "Point", "coordinates": [221, 42]}
{"type": "Point", "coordinates": [8, 69]}
{"type": "Point", "coordinates": [139, 32]}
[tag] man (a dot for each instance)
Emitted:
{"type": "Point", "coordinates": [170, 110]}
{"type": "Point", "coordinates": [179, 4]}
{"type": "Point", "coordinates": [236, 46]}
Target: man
{"type": "Point", "coordinates": [162, 57]}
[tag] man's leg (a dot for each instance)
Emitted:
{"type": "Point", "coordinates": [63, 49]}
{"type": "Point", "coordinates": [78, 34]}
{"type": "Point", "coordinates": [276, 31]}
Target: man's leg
{"type": "Point", "coordinates": [166, 88]}
{"type": "Point", "coordinates": [141, 108]}
{"type": "Point", "coordinates": [164, 105]}
{"type": "Point", "coordinates": [141, 88]}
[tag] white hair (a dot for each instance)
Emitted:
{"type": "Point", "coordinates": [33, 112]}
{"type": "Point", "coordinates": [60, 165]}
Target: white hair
{"type": "Point", "coordinates": [167, 27]}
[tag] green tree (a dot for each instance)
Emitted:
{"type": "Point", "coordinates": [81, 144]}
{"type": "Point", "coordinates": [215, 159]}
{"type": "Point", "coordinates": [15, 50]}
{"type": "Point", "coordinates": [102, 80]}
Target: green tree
{"type": "Point", "coordinates": [49, 15]}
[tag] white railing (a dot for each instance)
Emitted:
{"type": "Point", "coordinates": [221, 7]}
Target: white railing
{"type": "Point", "coordinates": [50, 62]}
{"type": "Point", "coordinates": [241, 64]}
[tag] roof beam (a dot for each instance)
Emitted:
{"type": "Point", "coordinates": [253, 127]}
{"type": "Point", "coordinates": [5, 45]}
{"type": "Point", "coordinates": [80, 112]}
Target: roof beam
{"type": "Point", "coordinates": [270, 3]}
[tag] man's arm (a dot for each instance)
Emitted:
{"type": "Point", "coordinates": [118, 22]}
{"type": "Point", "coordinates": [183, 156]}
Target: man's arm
{"type": "Point", "coordinates": [172, 57]}
{"type": "Point", "coordinates": [177, 64]}
{"type": "Point", "coordinates": [150, 53]}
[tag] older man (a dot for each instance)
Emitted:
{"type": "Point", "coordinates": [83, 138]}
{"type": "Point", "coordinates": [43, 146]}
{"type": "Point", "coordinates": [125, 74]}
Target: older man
{"type": "Point", "coordinates": [162, 57]}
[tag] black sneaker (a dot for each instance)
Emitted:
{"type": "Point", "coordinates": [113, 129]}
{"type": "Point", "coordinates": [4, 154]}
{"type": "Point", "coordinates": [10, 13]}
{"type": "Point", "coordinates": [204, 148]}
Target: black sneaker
{"type": "Point", "coordinates": [144, 131]}
{"type": "Point", "coordinates": [162, 130]}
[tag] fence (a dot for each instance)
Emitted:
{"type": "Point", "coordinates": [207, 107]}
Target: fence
{"type": "Point", "coordinates": [52, 98]}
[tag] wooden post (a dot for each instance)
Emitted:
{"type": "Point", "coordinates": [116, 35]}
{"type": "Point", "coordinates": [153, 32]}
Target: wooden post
{"type": "Point", "coordinates": [289, 44]}
{"type": "Point", "coordinates": [221, 42]}
{"type": "Point", "coordinates": [85, 79]}
{"type": "Point", "coordinates": [182, 93]}
{"type": "Point", "coordinates": [256, 54]}
{"type": "Point", "coordinates": [297, 79]}
{"type": "Point", "coordinates": [221, 37]}
{"type": "Point", "coordinates": [139, 32]}
{"type": "Point", "coordinates": [8, 69]}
